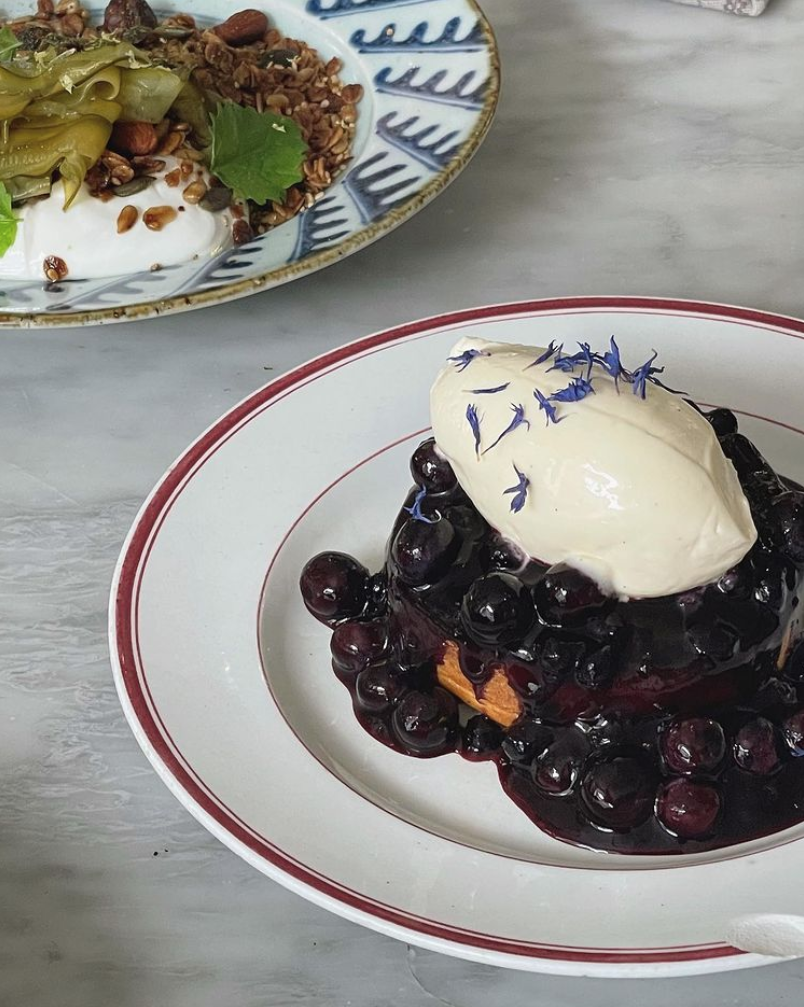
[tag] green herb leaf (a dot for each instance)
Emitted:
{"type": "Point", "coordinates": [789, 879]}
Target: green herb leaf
{"type": "Point", "coordinates": [8, 222]}
{"type": "Point", "coordinates": [8, 43]}
{"type": "Point", "coordinates": [257, 154]}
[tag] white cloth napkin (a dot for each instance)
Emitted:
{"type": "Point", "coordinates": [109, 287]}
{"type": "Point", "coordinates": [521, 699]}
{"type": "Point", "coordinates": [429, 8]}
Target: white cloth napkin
{"type": "Point", "coordinates": [747, 7]}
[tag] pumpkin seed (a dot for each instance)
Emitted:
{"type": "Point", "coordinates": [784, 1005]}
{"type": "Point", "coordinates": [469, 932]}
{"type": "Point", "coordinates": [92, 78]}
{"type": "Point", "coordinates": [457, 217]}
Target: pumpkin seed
{"type": "Point", "coordinates": [137, 184]}
{"type": "Point", "coordinates": [217, 198]}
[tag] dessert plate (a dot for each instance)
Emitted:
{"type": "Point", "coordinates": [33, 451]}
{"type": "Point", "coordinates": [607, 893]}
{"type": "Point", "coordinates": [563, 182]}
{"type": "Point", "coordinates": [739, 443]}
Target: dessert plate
{"type": "Point", "coordinates": [225, 678]}
{"type": "Point", "coordinates": [430, 74]}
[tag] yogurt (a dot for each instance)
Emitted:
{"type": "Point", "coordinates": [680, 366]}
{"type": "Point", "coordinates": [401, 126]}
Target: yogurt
{"type": "Point", "coordinates": [85, 235]}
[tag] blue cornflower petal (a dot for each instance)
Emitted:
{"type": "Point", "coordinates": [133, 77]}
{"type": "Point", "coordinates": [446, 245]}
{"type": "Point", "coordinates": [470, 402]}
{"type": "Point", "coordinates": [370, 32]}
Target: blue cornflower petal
{"type": "Point", "coordinates": [548, 407]}
{"type": "Point", "coordinates": [517, 421]}
{"type": "Point", "coordinates": [520, 491]}
{"type": "Point", "coordinates": [551, 350]}
{"type": "Point", "coordinates": [612, 364]}
{"type": "Point", "coordinates": [474, 423]}
{"type": "Point", "coordinates": [489, 391]}
{"type": "Point", "coordinates": [415, 510]}
{"type": "Point", "coordinates": [565, 364]}
{"type": "Point", "coordinates": [463, 360]}
{"type": "Point", "coordinates": [576, 390]}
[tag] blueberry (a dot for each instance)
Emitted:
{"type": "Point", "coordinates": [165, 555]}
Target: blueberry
{"type": "Point", "coordinates": [496, 610]}
{"type": "Point", "coordinates": [745, 458]}
{"type": "Point", "coordinates": [597, 669]}
{"type": "Point", "coordinates": [504, 555]}
{"type": "Point", "coordinates": [774, 577]}
{"type": "Point", "coordinates": [723, 421]}
{"type": "Point", "coordinates": [559, 658]}
{"type": "Point", "coordinates": [481, 736]}
{"type": "Point", "coordinates": [689, 602]}
{"type": "Point", "coordinates": [787, 513]}
{"type": "Point", "coordinates": [793, 730]}
{"type": "Point", "coordinates": [526, 741]}
{"type": "Point", "coordinates": [356, 645]}
{"type": "Point", "coordinates": [377, 594]}
{"type": "Point", "coordinates": [430, 469]}
{"type": "Point", "coordinates": [426, 723]}
{"type": "Point", "coordinates": [378, 690]}
{"type": "Point", "coordinates": [564, 597]}
{"type": "Point", "coordinates": [755, 747]}
{"type": "Point", "coordinates": [606, 729]}
{"type": "Point", "coordinates": [422, 553]}
{"type": "Point", "coordinates": [693, 744]}
{"type": "Point", "coordinates": [334, 586]}
{"type": "Point", "coordinates": [557, 769]}
{"type": "Point", "coordinates": [737, 583]}
{"type": "Point", "coordinates": [716, 641]}
{"type": "Point", "coordinates": [618, 792]}
{"type": "Point", "coordinates": [410, 650]}
{"type": "Point", "coordinates": [687, 809]}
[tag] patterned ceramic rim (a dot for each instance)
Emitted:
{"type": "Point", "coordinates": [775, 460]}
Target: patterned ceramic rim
{"type": "Point", "coordinates": [363, 237]}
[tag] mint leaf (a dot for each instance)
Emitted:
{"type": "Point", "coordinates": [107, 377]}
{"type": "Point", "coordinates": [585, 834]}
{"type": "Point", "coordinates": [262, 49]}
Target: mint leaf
{"type": "Point", "coordinates": [257, 154]}
{"type": "Point", "coordinates": [8, 222]}
{"type": "Point", "coordinates": [8, 43]}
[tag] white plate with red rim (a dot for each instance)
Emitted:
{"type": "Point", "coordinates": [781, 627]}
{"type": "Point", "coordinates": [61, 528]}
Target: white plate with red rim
{"type": "Point", "coordinates": [225, 678]}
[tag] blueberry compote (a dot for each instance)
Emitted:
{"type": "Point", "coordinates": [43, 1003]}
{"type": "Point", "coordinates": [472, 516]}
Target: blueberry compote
{"type": "Point", "coordinates": [665, 725]}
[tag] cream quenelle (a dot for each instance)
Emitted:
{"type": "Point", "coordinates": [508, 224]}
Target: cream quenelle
{"type": "Point", "coordinates": [635, 492]}
{"type": "Point", "coordinates": [85, 236]}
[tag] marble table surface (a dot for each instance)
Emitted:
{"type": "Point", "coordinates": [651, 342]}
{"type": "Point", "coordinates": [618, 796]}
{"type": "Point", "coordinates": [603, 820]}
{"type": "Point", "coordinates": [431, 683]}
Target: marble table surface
{"type": "Point", "coordinates": [640, 148]}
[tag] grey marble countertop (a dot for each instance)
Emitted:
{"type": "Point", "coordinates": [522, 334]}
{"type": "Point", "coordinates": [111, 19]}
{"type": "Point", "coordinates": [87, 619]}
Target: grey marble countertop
{"type": "Point", "coordinates": [640, 148]}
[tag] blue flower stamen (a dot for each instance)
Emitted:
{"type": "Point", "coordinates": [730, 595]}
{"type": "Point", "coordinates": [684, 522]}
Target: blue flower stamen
{"type": "Point", "coordinates": [520, 491]}
{"type": "Point", "coordinates": [517, 421]}
{"type": "Point", "coordinates": [463, 360]}
{"type": "Point", "coordinates": [416, 512]}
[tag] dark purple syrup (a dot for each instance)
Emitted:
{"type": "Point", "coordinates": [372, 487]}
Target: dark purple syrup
{"type": "Point", "coordinates": [668, 725]}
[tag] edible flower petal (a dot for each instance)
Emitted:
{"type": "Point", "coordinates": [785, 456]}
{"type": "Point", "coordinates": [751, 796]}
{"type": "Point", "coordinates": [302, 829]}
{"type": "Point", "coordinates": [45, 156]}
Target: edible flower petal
{"type": "Point", "coordinates": [489, 391]}
{"type": "Point", "coordinates": [474, 423]}
{"type": "Point", "coordinates": [463, 360]}
{"type": "Point", "coordinates": [576, 390]}
{"type": "Point", "coordinates": [612, 364]}
{"type": "Point", "coordinates": [551, 350]}
{"type": "Point", "coordinates": [415, 510]}
{"type": "Point", "coordinates": [564, 364]}
{"type": "Point", "coordinates": [517, 421]}
{"type": "Point", "coordinates": [548, 407]}
{"type": "Point", "coordinates": [646, 373]}
{"type": "Point", "coordinates": [520, 491]}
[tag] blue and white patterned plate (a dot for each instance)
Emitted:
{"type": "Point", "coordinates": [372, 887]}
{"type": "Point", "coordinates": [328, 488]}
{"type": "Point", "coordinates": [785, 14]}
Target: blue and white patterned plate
{"type": "Point", "coordinates": [430, 74]}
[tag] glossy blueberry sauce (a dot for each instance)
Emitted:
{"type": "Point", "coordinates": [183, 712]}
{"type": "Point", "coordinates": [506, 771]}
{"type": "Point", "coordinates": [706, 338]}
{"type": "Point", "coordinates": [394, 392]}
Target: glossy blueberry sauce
{"type": "Point", "coordinates": [669, 725]}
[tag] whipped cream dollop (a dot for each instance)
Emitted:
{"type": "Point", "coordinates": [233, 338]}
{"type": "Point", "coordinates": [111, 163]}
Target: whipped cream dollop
{"type": "Point", "coordinates": [85, 235]}
{"type": "Point", "coordinates": [634, 492]}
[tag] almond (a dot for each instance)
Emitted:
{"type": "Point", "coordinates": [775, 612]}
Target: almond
{"type": "Point", "coordinates": [243, 28]}
{"type": "Point", "coordinates": [134, 138]}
